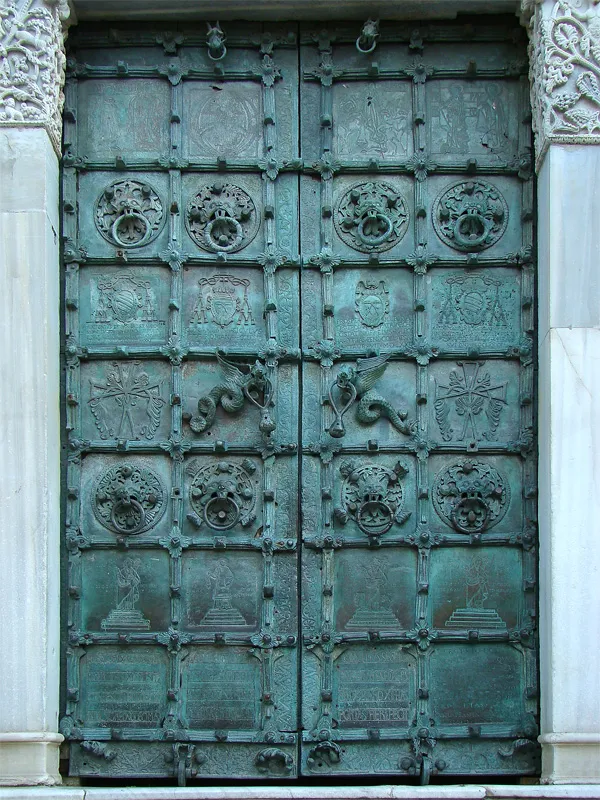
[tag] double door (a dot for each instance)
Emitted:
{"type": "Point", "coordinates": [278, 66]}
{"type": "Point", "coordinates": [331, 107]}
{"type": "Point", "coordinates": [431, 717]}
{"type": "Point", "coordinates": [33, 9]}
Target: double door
{"type": "Point", "coordinates": [300, 478]}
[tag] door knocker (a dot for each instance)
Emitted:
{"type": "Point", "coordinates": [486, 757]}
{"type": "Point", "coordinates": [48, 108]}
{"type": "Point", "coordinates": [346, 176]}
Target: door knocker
{"type": "Point", "coordinates": [371, 217]}
{"type": "Point", "coordinates": [356, 383]}
{"type": "Point", "coordinates": [471, 496]}
{"type": "Point", "coordinates": [222, 495]}
{"type": "Point", "coordinates": [274, 761]}
{"type": "Point", "coordinates": [237, 387]}
{"type": "Point", "coordinates": [222, 218]}
{"type": "Point", "coordinates": [470, 215]}
{"type": "Point", "coordinates": [372, 496]}
{"type": "Point", "coordinates": [367, 41]}
{"type": "Point", "coordinates": [129, 499]}
{"type": "Point", "coordinates": [325, 754]}
{"type": "Point", "coordinates": [129, 213]}
{"type": "Point", "coordinates": [215, 41]}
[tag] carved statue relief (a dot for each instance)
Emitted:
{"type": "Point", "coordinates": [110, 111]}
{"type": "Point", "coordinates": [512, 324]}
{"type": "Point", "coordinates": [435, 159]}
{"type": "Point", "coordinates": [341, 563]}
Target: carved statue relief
{"type": "Point", "coordinates": [472, 117]}
{"type": "Point", "coordinates": [453, 121]}
{"type": "Point", "coordinates": [475, 613]}
{"type": "Point", "coordinates": [372, 122]}
{"type": "Point", "coordinates": [373, 599]}
{"type": "Point", "coordinates": [234, 112]}
{"type": "Point", "coordinates": [565, 72]}
{"type": "Point", "coordinates": [126, 615]}
{"type": "Point", "coordinates": [32, 64]}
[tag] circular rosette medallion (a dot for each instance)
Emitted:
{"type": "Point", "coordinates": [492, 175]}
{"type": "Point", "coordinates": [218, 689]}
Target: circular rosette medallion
{"type": "Point", "coordinates": [470, 215]}
{"type": "Point", "coordinates": [471, 496]}
{"type": "Point", "coordinates": [372, 495]}
{"type": "Point", "coordinates": [222, 218]}
{"type": "Point", "coordinates": [129, 213]}
{"type": "Point", "coordinates": [129, 499]}
{"type": "Point", "coordinates": [222, 495]}
{"type": "Point", "coordinates": [371, 217]}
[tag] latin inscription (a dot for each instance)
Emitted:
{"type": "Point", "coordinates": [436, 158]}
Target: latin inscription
{"type": "Point", "coordinates": [221, 695]}
{"type": "Point", "coordinates": [126, 693]}
{"type": "Point", "coordinates": [374, 690]}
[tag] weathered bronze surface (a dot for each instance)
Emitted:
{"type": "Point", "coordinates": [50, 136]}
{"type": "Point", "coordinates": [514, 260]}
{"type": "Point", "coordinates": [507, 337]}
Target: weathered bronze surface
{"type": "Point", "coordinates": [299, 264]}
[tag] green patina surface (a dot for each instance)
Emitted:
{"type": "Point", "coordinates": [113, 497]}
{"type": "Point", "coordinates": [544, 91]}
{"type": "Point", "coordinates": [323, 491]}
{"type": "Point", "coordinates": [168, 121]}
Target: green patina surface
{"type": "Point", "coordinates": [300, 515]}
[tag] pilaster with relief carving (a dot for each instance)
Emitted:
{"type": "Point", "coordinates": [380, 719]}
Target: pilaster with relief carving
{"type": "Point", "coordinates": [565, 94]}
{"type": "Point", "coordinates": [564, 71]}
{"type": "Point", "coordinates": [31, 77]}
{"type": "Point", "coordinates": [32, 64]}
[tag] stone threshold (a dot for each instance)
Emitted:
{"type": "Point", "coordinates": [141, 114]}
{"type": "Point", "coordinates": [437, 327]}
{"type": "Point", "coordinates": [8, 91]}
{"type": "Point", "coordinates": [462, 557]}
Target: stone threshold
{"type": "Point", "coordinates": [385, 792]}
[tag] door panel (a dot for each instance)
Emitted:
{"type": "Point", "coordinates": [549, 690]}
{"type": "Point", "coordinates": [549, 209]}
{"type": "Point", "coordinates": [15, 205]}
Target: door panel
{"type": "Point", "coordinates": [418, 565]}
{"type": "Point", "coordinates": [182, 379]}
{"type": "Point", "coordinates": [298, 275]}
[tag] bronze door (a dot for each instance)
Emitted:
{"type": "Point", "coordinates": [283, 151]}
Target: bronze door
{"type": "Point", "coordinates": [299, 297]}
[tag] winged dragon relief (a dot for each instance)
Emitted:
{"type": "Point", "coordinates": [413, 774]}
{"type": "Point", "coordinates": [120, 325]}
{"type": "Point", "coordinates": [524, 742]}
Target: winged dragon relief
{"type": "Point", "coordinates": [231, 394]}
{"type": "Point", "coordinates": [356, 384]}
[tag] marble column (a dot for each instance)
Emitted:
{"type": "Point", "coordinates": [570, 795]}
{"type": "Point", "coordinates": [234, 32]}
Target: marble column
{"type": "Point", "coordinates": [565, 77]}
{"type": "Point", "coordinates": [31, 74]}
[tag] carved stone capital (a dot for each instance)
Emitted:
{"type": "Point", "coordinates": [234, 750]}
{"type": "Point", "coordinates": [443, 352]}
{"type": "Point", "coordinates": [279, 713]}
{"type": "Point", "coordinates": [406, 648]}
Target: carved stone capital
{"type": "Point", "coordinates": [564, 53]}
{"type": "Point", "coordinates": [32, 64]}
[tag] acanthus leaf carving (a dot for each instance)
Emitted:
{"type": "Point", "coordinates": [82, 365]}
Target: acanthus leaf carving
{"type": "Point", "coordinates": [32, 64]}
{"type": "Point", "coordinates": [98, 749]}
{"type": "Point", "coordinates": [564, 72]}
{"type": "Point", "coordinates": [469, 394]}
{"type": "Point", "coordinates": [114, 398]}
